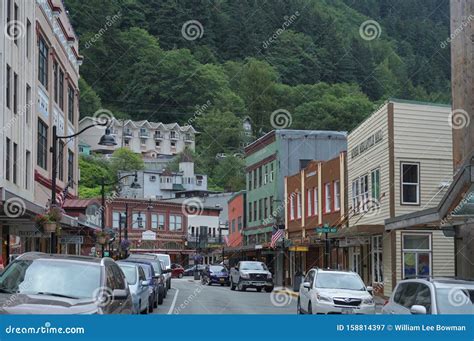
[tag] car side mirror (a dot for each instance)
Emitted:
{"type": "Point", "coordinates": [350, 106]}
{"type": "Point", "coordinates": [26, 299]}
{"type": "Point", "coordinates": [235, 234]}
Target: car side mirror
{"type": "Point", "coordinates": [119, 294]}
{"type": "Point", "coordinates": [307, 285]}
{"type": "Point", "coordinates": [144, 283]}
{"type": "Point", "coordinates": [370, 290]}
{"type": "Point", "coordinates": [418, 310]}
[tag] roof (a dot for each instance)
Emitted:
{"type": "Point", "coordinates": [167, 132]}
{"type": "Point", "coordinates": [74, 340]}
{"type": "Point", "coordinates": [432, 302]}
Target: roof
{"type": "Point", "coordinates": [40, 255]}
{"type": "Point", "coordinates": [143, 123]}
{"type": "Point", "coordinates": [398, 100]}
{"type": "Point", "coordinates": [80, 203]}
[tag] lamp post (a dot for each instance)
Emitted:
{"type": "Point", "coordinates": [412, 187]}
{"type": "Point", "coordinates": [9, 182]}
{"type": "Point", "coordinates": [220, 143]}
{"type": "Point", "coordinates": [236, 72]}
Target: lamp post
{"type": "Point", "coordinates": [105, 140]}
{"type": "Point", "coordinates": [134, 185]}
{"type": "Point", "coordinates": [222, 241]}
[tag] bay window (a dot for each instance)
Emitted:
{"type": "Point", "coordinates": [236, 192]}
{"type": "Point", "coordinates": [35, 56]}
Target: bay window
{"type": "Point", "coordinates": [416, 255]}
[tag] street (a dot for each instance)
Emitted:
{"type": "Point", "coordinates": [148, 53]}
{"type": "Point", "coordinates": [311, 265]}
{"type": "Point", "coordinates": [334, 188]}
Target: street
{"type": "Point", "coordinates": [190, 297]}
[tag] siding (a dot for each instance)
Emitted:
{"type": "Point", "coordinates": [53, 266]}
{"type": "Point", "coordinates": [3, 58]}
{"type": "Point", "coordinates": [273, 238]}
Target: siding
{"type": "Point", "coordinates": [375, 157]}
{"type": "Point", "coordinates": [423, 134]}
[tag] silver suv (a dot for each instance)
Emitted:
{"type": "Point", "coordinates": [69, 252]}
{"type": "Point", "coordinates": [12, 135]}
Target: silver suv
{"type": "Point", "coordinates": [431, 296]}
{"type": "Point", "coordinates": [251, 275]}
{"type": "Point", "coordinates": [325, 291]}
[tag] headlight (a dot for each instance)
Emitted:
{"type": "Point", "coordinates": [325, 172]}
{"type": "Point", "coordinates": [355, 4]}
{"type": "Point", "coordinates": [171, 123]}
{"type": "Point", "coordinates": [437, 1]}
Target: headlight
{"type": "Point", "coordinates": [244, 275]}
{"type": "Point", "coordinates": [269, 276]}
{"type": "Point", "coordinates": [369, 300]}
{"type": "Point", "coordinates": [323, 298]}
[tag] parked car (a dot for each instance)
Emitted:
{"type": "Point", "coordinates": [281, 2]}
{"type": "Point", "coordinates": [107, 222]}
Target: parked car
{"type": "Point", "coordinates": [152, 284]}
{"type": "Point", "coordinates": [176, 271]}
{"type": "Point", "coordinates": [138, 287]}
{"type": "Point", "coordinates": [167, 261]}
{"type": "Point", "coordinates": [158, 273]}
{"type": "Point", "coordinates": [249, 274]}
{"type": "Point", "coordinates": [189, 271]}
{"type": "Point", "coordinates": [431, 296]}
{"type": "Point", "coordinates": [326, 291]}
{"type": "Point", "coordinates": [165, 273]}
{"type": "Point", "coordinates": [38, 283]}
{"type": "Point", "coordinates": [217, 274]}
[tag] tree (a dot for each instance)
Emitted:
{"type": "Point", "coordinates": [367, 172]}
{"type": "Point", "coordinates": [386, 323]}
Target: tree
{"type": "Point", "coordinates": [89, 101]}
{"type": "Point", "coordinates": [229, 174]}
{"type": "Point", "coordinates": [123, 159]}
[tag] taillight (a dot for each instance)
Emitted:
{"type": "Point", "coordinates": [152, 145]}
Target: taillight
{"type": "Point", "coordinates": [385, 303]}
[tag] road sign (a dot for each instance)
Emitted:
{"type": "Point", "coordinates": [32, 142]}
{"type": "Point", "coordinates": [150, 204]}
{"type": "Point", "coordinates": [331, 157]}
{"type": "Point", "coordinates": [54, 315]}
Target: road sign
{"type": "Point", "coordinates": [326, 229]}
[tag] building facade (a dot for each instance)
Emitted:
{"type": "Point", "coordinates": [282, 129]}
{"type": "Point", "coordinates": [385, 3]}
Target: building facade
{"type": "Point", "coordinates": [148, 139]}
{"type": "Point", "coordinates": [316, 197]}
{"type": "Point", "coordinates": [399, 160]}
{"type": "Point", "coordinates": [236, 211]}
{"type": "Point", "coordinates": [40, 70]}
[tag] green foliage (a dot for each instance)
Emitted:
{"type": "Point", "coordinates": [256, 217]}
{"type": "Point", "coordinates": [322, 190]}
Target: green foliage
{"type": "Point", "coordinates": [123, 159]}
{"type": "Point", "coordinates": [229, 174]}
{"type": "Point", "coordinates": [90, 102]}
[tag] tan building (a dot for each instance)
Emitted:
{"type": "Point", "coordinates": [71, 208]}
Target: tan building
{"type": "Point", "coordinates": [148, 139]}
{"type": "Point", "coordinates": [399, 161]}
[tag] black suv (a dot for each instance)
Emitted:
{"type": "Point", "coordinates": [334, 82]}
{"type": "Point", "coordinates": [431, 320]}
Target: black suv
{"type": "Point", "coordinates": [39, 283]}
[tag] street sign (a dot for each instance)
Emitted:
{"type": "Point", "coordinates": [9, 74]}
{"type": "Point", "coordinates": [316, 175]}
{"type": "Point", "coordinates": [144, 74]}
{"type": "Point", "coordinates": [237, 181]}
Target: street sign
{"type": "Point", "coordinates": [326, 229]}
{"type": "Point", "coordinates": [71, 240]}
{"type": "Point", "coordinates": [148, 235]}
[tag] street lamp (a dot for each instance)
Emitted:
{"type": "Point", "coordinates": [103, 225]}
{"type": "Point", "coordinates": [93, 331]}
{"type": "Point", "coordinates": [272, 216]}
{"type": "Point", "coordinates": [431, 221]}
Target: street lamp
{"type": "Point", "coordinates": [105, 140]}
{"type": "Point", "coordinates": [134, 185]}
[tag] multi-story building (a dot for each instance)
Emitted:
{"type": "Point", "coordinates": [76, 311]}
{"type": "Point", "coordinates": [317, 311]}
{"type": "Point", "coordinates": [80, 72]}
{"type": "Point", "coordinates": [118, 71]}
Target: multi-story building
{"type": "Point", "coordinates": [236, 212]}
{"type": "Point", "coordinates": [399, 160]}
{"type": "Point", "coordinates": [315, 197]}
{"type": "Point", "coordinates": [146, 138]}
{"type": "Point", "coordinates": [268, 160]}
{"type": "Point", "coordinates": [40, 69]}
{"type": "Point", "coordinates": [165, 184]}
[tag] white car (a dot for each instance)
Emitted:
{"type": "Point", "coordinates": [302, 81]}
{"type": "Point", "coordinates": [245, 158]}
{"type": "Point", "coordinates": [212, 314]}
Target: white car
{"type": "Point", "coordinates": [325, 291]}
{"type": "Point", "coordinates": [167, 261]}
{"type": "Point", "coordinates": [431, 296]}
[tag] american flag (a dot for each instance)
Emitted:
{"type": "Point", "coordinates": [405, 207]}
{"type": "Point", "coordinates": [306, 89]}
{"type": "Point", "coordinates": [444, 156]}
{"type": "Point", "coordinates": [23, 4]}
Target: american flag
{"type": "Point", "coordinates": [277, 234]}
{"type": "Point", "coordinates": [226, 240]}
{"type": "Point", "coordinates": [61, 199]}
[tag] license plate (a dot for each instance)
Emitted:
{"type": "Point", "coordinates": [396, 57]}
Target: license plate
{"type": "Point", "coordinates": [347, 311]}
{"type": "Point", "coordinates": [222, 279]}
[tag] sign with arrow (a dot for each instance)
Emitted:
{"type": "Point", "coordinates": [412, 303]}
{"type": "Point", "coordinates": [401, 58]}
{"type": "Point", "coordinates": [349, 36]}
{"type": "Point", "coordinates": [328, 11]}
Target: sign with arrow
{"type": "Point", "coordinates": [326, 229]}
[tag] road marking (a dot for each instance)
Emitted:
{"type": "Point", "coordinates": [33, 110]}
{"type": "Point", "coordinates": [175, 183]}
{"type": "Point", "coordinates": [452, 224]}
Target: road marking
{"type": "Point", "coordinates": [174, 302]}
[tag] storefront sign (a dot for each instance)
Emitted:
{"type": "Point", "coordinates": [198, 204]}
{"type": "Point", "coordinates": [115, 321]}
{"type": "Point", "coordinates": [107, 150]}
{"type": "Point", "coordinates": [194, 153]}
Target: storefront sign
{"type": "Point", "coordinates": [347, 242]}
{"type": "Point", "coordinates": [30, 234]}
{"type": "Point", "coordinates": [326, 229]}
{"type": "Point", "coordinates": [368, 143]}
{"type": "Point", "coordinates": [298, 248]}
{"type": "Point", "coordinates": [71, 240]}
{"type": "Point", "coordinates": [148, 235]}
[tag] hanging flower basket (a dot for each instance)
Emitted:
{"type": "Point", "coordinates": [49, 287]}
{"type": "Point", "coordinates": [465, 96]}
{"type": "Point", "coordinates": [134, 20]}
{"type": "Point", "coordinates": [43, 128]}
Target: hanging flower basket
{"type": "Point", "coordinates": [50, 227]}
{"type": "Point", "coordinates": [49, 222]}
{"type": "Point", "coordinates": [102, 237]}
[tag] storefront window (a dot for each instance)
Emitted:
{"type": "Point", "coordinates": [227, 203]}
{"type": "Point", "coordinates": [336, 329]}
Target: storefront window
{"type": "Point", "coordinates": [416, 255]}
{"type": "Point", "coordinates": [377, 264]}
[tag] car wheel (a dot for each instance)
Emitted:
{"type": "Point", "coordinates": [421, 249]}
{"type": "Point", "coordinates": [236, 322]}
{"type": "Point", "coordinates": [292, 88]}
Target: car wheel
{"type": "Point", "coordinates": [232, 286]}
{"type": "Point", "coordinates": [150, 306]}
{"type": "Point", "coordinates": [160, 297]}
{"type": "Point", "coordinates": [222, 284]}
{"type": "Point", "coordinates": [268, 289]}
{"type": "Point", "coordinates": [155, 301]}
{"type": "Point", "coordinates": [241, 287]}
{"type": "Point", "coordinates": [180, 275]}
{"type": "Point", "coordinates": [259, 289]}
{"type": "Point", "coordinates": [165, 293]}
{"type": "Point", "coordinates": [310, 308]}
{"type": "Point", "coordinates": [298, 307]}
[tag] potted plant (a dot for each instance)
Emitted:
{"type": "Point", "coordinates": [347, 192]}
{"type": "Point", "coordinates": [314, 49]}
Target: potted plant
{"type": "Point", "coordinates": [124, 244]}
{"type": "Point", "coordinates": [49, 222]}
{"type": "Point", "coordinates": [101, 237]}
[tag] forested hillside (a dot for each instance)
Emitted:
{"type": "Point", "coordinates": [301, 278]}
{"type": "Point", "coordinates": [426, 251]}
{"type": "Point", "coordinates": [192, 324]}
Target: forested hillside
{"type": "Point", "coordinates": [252, 57]}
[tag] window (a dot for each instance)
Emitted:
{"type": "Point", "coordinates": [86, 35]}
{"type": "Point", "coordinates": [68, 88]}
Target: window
{"type": "Point", "coordinates": [377, 264]}
{"type": "Point", "coordinates": [271, 172]}
{"type": "Point", "coordinates": [271, 206]}
{"type": "Point", "coordinates": [157, 143]}
{"type": "Point", "coordinates": [139, 221]}
{"type": "Point", "coordinates": [316, 201]}
{"type": "Point", "coordinates": [375, 180]}
{"type": "Point", "coordinates": [8, 86]}
{"type": "Point", "coordinates": [55, 81]}
{"type": "Point", "coordinates": [29, 104]}
{"type": "Point", "coordinates": [9, 11]}
{"type": "Point", "coordinates": [249, 176]}
{"type": "Point", "coordinates": [70, 168]}
{"type": "Point", "coordinates": [42, 151]}
{"type": "Point", "coordinates": [259, 176]}
{"type": "Point", "coordinates": [27, 169]}
{"type": "Point", "coordinates": [265, 206]}
{"type": "Point", "coordinates": [239, 223]}
{"type": "Point", "coordinates": [43, 62]}
{"type": "Point", "coordinates": [118, 218]}
{"type": "Point", "coordinates": [255, 218]}
{"type": "Point", "coordinates": [175, 222]}
{"type": "Point", "coordinates": [337, 195]}
{"type": "Point", "coordinates": [28, 39]}
{"type": "Point", "coordinates": [364, 192]}
{"type": "Point", "coordinates": [143, 142]}
{"type": "Point", "coordinates": [416, 255]}
{"type": "Point", "coordinates": [327, 195]}
{"type": "Point", "coordinates": [172, 134]}
{"type": "Point", "coordinates": [254, 179]}
{"type": "Point", "coordinates": [233, 226]}
{"type": "Point", "coordinates": [70, 104]}
{"type": "Point", "coordinates": [410, 183]}
{"type": "Point", "coordinates": [15, 93]}
{"type": "Point", "coordinates": [158, 221]}
{"type": "Point", "coordinates": [15, 162]}
{"type": "Point", "coordinates": [298, 207]}
{"type": "Point", "coordinates": [17, 28]}
{"type": "Point", "coordinates": [260, 209]}
{"type": "Point", "coordinates": [8, 159]}
{"type": "Point", "coordinates": [250, 211]}
{"type": "Point", "coordinates": [310, 202]}
{"type": "Point", "coordinates": [355, 195]}
{"type": "Point", "coordinates": [61, 89]}
{"type": "Point", "coordinates": [265, 177]}
{"type": "Point", "coordinates": [60, 166]}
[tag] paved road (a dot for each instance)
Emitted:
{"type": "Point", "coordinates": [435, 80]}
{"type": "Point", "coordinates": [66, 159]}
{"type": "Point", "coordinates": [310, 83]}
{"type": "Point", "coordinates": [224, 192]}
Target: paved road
{"type": "Point", "coordinates": [190, 297]}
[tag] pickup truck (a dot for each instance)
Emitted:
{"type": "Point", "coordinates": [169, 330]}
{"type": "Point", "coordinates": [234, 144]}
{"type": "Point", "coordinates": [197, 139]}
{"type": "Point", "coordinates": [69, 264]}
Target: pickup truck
{"type": "Point", "coordinates": [249, 274]}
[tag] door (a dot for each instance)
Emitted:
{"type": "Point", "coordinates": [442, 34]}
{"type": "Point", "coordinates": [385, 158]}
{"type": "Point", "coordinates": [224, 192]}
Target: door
{"type": "Point", "coordinates": [305, 293]}
{"type": "Point", "coordinates": [404, 298]}
{"type": "Point", "coordinates": [355, 259]}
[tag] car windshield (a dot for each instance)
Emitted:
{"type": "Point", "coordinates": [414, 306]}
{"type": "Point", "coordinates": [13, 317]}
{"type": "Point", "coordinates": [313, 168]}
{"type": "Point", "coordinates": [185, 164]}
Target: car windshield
{"type": "Point", "coordinates": [156, 264]}
{"type": "Point", "coordinates": [456, 299]}
{"type": "Point", "coordinates": [339, 281]}
{"type": "Point", "coordinates": [165, 259]}
{"type": "Point", "coordinates": [252, 266]}
{"type": "Point", "coordinates": [217, 268]}
{"type": "Point", "coordinates": [51, 277]}
{"type": "Point", "coordinates": [130, 272]}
